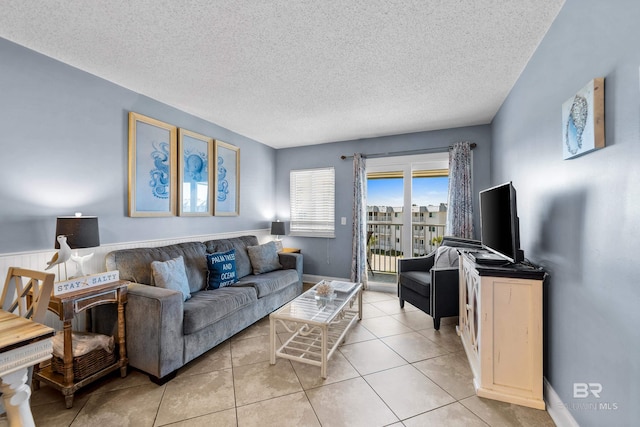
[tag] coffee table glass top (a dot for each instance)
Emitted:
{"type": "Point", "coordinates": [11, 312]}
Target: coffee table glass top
{"type": "Point", "coordinates": [315, 309]}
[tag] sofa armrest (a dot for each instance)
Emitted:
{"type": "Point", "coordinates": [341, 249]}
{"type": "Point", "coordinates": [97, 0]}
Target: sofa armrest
{"type": "Point", "coordinates": [291, 261]}
{"type": "Point", "coordinates": [446, 275]}
{"type": "Point", "coordinates": [444, 292]}
{"type": "Point", "coordinates": [424, 263]}
{"type": "Point", "coordinates": [154, 319]}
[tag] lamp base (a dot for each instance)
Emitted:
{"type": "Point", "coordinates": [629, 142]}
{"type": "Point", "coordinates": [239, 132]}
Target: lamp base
{"type": "Point", "coordinates": [80, 260]}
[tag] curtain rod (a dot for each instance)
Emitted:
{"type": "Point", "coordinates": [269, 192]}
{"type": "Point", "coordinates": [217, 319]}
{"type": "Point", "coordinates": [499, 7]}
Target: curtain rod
{"type": "Point", "coordinates": [408, 152]}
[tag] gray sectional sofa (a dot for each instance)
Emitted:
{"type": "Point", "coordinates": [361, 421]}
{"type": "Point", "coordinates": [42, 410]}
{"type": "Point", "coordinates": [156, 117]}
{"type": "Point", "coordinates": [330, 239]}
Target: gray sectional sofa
{"type": "Point", "coordinates": [164, 332]}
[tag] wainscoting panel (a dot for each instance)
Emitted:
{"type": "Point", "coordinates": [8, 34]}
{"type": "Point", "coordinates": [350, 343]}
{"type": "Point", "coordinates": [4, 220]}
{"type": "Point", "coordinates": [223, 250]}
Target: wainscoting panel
{"type": "Point", "coordinates": [37, 260]}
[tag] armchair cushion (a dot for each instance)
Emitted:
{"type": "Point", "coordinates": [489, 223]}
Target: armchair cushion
{"type": "Point", "coordinates": [417, 281]}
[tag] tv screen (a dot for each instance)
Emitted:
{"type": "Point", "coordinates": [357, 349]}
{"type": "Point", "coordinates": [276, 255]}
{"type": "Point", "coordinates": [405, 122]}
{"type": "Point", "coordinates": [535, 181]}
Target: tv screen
{"type": "Point", "coordinates": [499, 227]}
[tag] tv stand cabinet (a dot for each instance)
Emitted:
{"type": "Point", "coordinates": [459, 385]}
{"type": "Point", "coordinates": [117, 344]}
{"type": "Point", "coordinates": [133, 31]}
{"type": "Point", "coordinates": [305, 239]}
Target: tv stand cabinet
{"type": "Point", "coordinates": [500, 324]}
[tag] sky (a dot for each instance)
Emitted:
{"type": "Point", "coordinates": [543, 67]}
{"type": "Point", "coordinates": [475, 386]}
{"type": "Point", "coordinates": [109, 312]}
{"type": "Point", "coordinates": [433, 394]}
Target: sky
{"type": "Point", "coordinates": [425, 191]}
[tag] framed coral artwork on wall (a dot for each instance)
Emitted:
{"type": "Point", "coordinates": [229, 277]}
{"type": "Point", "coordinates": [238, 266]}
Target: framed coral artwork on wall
{"type": "Point", "coordinates": [227, 182]}
{"type": "Point", "coordinates": [152, 167]}
{"type": "Point", "coordinates": [583, 120]}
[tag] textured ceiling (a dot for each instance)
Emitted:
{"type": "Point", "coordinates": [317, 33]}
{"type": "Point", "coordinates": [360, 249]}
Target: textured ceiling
{"type": "Point", "coordinates": [290, 73]}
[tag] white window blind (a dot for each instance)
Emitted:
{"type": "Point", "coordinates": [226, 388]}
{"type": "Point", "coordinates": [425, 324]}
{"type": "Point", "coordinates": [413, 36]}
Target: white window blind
{"type": "Point", "coordinates": [312, 194]}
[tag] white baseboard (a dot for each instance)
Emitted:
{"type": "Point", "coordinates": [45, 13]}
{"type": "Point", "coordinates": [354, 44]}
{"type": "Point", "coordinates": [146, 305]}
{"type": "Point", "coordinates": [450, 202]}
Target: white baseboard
{"type": "Point", "coordinates": [556, 409]}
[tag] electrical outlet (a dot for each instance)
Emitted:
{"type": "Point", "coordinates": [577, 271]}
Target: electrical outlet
{"type": "Point", "coordinates": [343, 220]}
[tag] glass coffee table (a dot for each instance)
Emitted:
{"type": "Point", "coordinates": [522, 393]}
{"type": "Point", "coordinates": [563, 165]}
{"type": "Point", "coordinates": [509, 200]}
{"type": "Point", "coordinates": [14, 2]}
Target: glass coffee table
{"type": "Point", "coordinates": [318, 325]}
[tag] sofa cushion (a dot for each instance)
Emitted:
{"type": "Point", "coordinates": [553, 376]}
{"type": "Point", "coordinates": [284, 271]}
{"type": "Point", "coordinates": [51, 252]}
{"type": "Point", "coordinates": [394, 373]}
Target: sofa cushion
{"type": "Point", "coordinates": [207, 307]}
{"type": "Point", "coordinates": [268, 283]}
{"type": "Point", "coordinates": [243, 264]}
{"type": "Point", "coordinates": [222, 269]}
{"type": "Point", "coordinates": [417, 281]}
{"type": "Point", "coordinates": [264, 258]}
{"type": "Point", "coordinates": [135, 264]}
{"type": "Point", "coordinates": [171, 274]}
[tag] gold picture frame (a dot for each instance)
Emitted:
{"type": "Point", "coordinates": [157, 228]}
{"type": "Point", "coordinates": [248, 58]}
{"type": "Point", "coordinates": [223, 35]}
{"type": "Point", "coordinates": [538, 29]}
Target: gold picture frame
{"type": "Point", "coordinates": [227, 180]}
{"type": "Point", "coordinates": [152, 167]}
{"type": "Point", "coordinates": [195, 175]}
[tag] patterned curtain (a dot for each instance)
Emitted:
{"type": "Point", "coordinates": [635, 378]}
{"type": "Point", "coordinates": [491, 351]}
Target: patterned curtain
{"type": "Point", "coordinates": [460, 208]}
{"type": "Point", "coordinates": [359, 245]}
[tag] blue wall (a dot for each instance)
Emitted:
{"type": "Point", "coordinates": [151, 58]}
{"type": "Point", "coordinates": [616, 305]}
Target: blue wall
{"type": "Point", "coordinates": [332, 257]}
{"type": "Point", "coordinates": [64, 140]}
{"type": "Point", "coordinates": [579, 217]}
{"type": "Point", "coordinates": [64, 149]}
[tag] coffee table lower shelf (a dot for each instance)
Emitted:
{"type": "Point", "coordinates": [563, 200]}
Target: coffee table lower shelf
{"type": "Point", "coordinates": [311, 343]}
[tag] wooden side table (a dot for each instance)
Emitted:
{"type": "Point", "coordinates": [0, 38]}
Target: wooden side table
{"type": "Point", "coordinates": [291, 250]}
{"type": "Point", "coordinates": [66, 306]}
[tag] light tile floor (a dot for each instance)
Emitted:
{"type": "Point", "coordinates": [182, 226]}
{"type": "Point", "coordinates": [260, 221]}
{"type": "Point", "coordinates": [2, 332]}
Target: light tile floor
{"type": "Point", "coordinates": [394, 369]}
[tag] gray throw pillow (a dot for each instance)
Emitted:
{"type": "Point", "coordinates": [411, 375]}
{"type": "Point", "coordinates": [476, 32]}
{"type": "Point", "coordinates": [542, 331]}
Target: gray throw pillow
{"type": "Point", "coordinates": [446, 257]}
{"type": "Point", "coordinates": [171, 275]}
{"type": "Point", "coordinates": [264, 258]}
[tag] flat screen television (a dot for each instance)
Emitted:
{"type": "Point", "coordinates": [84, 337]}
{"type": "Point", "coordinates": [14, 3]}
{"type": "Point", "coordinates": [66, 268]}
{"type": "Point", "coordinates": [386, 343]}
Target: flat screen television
{"type": "Point", "coordinates": [499, 224]}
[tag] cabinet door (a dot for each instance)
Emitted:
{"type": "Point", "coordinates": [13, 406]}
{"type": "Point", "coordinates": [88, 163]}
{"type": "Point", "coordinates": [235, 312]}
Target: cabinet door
{"type": "Point", "coordinates": [516, 342]}
{"type": "Point", "coordinates": [469, 320]}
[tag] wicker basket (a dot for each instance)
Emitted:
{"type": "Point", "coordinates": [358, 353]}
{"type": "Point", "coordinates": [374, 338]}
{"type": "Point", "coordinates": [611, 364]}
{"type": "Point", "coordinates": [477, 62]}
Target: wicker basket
{"type": "Point", "coordinates": [87, 364]}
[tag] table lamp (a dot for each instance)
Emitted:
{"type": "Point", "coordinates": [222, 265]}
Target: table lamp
{"type": "Point", "coordinates": [82, 232]}
{"type": "Point", "coordinates": [278, 229]}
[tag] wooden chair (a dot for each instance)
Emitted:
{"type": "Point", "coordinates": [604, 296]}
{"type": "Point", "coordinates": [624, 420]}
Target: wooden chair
{"type": "Point", "coordinates": [38, 286]}
{"type": "Point", "coordinates": [30, 299]}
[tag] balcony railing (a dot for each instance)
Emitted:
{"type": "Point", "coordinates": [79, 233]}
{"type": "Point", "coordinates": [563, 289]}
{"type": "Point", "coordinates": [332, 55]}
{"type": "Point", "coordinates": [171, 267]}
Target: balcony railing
{"type": "Point", "coordinates": [385, 244]}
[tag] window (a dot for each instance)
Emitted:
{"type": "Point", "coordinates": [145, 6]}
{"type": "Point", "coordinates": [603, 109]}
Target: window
{"type": "Point", "coordinates": [312, 193]}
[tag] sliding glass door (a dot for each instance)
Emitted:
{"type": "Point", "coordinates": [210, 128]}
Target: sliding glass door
{"type": "Point", "coordinates": [406, 210]}
{"type": "Point", "coordinates": [429, 191]}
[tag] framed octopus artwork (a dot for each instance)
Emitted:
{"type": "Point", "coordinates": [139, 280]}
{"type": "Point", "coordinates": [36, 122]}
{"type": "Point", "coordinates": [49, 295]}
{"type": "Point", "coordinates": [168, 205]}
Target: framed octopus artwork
{"type": "Point", "coordinates": [195, 178]}
{"type": "Point", "coordinates": [583, 120]}
{"type": "Point", "coordinates": [227, 182]}
{"type": "Point", "coordinates": [152, 167]}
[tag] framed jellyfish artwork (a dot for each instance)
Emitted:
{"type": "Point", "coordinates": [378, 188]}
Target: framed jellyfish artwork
{"type": "Point", "coordinates": [227, 180]}
{"type": "Point", "coordinates": [583, 120]}
{"type": "Point", "coordinates": [152, 167]}
{"type": "Point", "coordinates": [195, 179]}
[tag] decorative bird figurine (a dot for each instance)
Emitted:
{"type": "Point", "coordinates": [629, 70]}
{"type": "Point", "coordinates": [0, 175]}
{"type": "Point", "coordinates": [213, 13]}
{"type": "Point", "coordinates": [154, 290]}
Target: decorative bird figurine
{"type": "Point", "coordinates": [63, 255]}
